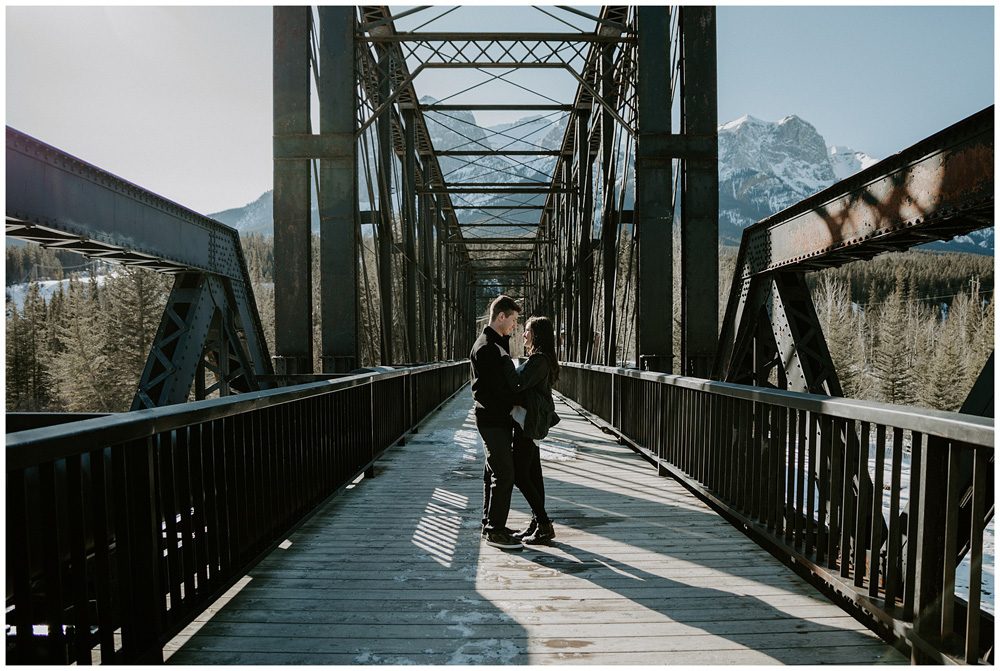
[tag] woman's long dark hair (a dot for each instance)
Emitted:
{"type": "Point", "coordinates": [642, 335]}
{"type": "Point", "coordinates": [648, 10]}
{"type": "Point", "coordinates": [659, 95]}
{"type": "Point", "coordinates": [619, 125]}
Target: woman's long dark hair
{"type": "Point", "coordinates": [543, 339]}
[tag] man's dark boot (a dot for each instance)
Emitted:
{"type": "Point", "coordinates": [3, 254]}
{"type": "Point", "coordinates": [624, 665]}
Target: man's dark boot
{"type": "Point", "coordinates": [542, 535]}
{"type": "Point", "coordinates": [524, 533]}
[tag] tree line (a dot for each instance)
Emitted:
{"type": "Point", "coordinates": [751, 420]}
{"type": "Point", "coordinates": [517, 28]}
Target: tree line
{"type": "Point", "coordinates": [909, 328]}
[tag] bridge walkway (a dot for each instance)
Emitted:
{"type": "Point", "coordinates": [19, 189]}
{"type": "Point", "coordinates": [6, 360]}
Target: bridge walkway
{"type": "Point", "coordinates": [393, 571]}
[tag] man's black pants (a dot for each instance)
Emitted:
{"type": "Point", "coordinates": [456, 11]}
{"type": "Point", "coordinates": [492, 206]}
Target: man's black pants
{"type": "Point", "coordinates": [498, 473]}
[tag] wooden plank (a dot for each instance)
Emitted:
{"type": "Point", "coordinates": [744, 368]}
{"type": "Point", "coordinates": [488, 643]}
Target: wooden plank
{"type": "Point", "coordinates": [598, 633]}
{"type": "Point", "coordinates": [533, 615]}
{"type": "Point", "coordinates": [394, 572]}
{"type": "Point", "coordinates": [872, 654]}
{"type": "Point", "coordinates": [787, 642]}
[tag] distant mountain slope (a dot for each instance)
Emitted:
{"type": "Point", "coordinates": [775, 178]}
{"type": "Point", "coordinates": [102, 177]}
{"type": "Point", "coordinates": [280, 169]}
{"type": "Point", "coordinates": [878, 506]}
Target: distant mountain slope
{"type": "Point", "coordinates": [764, 167]}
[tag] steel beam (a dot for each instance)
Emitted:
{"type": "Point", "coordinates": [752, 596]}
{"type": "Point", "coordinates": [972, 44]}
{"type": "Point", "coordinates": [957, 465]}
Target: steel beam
{"type": "Point", "coordinates": [385, 232]}
{"type": "Point", "coordinates": [59, 200]}
{"type": "Point", "coordinates": [520, 190]}
{"type": "Point", "coordinates": [585, 247]}
{"type": "Point", "coordinates": [699, 192]}
{"type": "Point", "coordinates": [56, 199]}
{"type": "Point", "coordinates": [499, 207]}
{"type": "Point", "coordinates": [609, 218]}
{"type": "Point", "coordinates": [427, 216]}
{"type": "Point", "coordinates": [338, 193]}
{"type": "Point", "coordinates": [409, 222]}
{"type": "Point", "coordinates": [654, 187]}
{"type": "Point", "coordinates": [492, 37]}
{"type": "Point", "coordinates": [938, 188]}
{"type": "Point", "coordinates": [200, 319]}
{"type": "Point", "coordinates": [292, 230]}
{"type": "Point", "coordinates": [516, 107]}
{"type": "Point", "coordinates": [499, 241]}
{"type": "Point", "coordinates": [498, 152]}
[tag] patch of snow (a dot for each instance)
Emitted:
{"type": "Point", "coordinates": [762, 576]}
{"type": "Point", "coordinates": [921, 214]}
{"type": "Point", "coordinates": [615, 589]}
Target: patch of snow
{"type": "Point", "coordinates": [487, 651]}
{"type": "Point", "coordinates": [17, 293]}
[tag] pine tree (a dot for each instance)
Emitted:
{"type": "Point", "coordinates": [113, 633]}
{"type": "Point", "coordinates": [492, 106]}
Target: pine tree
{"type": "Point", "coordinates": [134, 302]}
{"type": "Point", "coordinates": [836, 316]}
{"type": "Point", "coordinates": [892, 368]}
{"type": "Point", "coordinates": [86, 383]}
{"type": "Point", "coordinates": [29, 381]}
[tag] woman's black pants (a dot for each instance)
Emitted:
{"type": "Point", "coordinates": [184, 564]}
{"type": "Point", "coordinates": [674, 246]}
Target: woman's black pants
{"type": "Point", "coordinates": [528, 473]}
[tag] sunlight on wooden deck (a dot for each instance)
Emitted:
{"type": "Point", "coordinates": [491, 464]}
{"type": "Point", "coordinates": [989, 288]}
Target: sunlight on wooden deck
{"type": "Point", "coordinates": [394, 572]}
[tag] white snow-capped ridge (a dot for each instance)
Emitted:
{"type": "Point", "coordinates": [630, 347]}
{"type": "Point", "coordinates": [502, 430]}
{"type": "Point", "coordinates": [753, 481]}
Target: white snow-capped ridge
{"type": "Point", "coordinates": [736, 123]}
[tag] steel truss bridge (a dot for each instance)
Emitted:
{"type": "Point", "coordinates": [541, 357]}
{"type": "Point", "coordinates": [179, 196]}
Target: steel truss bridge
{"type": "Point", "coordinates": [753, 422]}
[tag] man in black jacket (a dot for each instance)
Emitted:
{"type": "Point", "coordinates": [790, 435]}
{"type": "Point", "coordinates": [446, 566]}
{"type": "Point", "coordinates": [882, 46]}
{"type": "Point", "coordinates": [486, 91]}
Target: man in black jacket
{"type": "Point", "coordinates": [494, 399]}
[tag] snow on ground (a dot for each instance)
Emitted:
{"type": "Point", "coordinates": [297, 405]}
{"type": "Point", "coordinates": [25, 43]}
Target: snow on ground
{"type": "Point", "coordinates": [962, 571]}
{"type": "Point", "coordinates": [48, 288]}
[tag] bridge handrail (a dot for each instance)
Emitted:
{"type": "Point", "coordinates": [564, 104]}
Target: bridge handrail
{"type": "Point", "coordinates": [36, 446]}
{"type": "Point", "coordinates": [978, 431]}
{"type": "Point", "coordinates": [139, 521]}
{"type": "Point", "coordinates": [876, 504]}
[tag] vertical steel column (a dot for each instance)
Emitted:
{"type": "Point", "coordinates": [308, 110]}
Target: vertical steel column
{"type": "Point", "coordinates": [428, 213]}
{"type": "Point", "coordinates": [292, 236]}
{"type": "Point", "coordinates": [585, 248]}
{"type": "Point", "coordinates": [653, 174]}
{"type": "Point", "coordinates": [609, 218]}
{"type": "Point", "coordinates": [409, 215]}
{"type": "Point", "coordinates": [449, 302]}
{"type": "Point", "coordinates": [699, 192]}
{"type": "Point", "coordinates": [338, 193]}
{"type": "Point", "coordinates": [385, 237]}
{"type": "Point", "coordinates": [569, 267]}
{"type": "Point", "coordinates": [439, 274]}
{"type": "Point", "coordinates": [557, 275]}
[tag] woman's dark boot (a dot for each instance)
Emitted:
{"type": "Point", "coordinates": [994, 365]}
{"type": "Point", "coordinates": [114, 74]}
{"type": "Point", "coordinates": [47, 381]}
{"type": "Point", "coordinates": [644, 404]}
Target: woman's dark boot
{"type": "Point", "coordinates": [542, 535]}
{"type": "Point", "coordinates": [526, 532]}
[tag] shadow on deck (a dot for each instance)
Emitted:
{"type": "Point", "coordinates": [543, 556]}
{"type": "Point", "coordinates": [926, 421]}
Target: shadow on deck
{"type": "Point", "coordinates": [394, 572]}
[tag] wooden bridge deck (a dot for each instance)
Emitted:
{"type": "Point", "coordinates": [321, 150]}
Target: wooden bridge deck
{"type": "Point", "coordinates": [394, 572]}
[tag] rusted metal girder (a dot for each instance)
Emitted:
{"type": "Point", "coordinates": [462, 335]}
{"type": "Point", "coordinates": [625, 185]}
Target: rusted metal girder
{"type": "Point", "coordinates": [938, 188]}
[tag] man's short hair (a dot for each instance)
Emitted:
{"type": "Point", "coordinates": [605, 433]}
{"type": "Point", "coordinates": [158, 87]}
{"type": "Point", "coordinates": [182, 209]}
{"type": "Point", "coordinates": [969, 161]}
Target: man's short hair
{"type": "Point", "coordinates": [504, 304]}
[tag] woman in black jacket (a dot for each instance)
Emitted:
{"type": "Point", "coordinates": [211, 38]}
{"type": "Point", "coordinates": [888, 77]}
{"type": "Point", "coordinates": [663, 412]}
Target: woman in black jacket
{"type": "Point", "coordinates": [533, 383]}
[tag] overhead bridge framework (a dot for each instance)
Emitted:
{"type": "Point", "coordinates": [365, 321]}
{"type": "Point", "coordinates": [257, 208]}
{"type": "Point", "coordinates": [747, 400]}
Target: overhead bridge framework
{"type": "Point", "coordinates": [565, 221]}
{"type": "Point", "coordinates": [638, 71]}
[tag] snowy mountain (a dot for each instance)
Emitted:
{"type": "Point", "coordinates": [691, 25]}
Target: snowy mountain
{"type": "Point", "coordinates": [255, 217]}
{"type": "Point", "coordinates": [846, 161]}
{"type": "Point", "coordinates": [764, 167]}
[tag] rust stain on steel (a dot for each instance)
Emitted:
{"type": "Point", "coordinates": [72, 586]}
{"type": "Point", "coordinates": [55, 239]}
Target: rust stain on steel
{"type": "Point", "coordinates": [922, 192]}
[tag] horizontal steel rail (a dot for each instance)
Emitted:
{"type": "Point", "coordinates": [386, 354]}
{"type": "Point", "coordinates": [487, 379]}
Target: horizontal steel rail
{"type": "Point", "coordinates": [495, 37]}
{"type": "Point", "coordinates": [61, 201]}
{"type": "Point", "coordinates": [128, 526]}
{"type": "Point", "coordinates": [784, 468]}
{"type": "Point", "coordinates": [938, 188]}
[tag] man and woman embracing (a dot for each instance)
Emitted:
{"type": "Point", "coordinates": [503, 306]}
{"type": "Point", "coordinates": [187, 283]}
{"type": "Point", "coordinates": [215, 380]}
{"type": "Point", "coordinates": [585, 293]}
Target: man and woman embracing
{"type": "Point", "coordinates": [514, 408]}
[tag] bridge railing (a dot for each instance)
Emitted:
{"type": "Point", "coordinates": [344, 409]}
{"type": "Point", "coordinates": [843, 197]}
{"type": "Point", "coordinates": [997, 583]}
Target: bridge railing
{"type": "Point", "coordinates": [121, 529]}
{"type": "Point", "coordinates": [821, 481]}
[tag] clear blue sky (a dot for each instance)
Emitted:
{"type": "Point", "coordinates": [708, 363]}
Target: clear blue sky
{"type": "Point", "coordinates": [875, 78]}
{"type": "Point", "coordinates": [178, 99]}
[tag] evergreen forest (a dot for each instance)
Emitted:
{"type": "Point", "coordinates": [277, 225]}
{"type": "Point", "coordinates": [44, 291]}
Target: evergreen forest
{"type": "Point", "coordinates": [910, 328]}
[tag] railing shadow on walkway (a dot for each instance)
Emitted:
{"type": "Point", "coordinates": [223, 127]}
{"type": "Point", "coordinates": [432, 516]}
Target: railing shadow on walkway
{"type": "Point", "coordinates": [438, 595]}
{"type": "Point", "coordinates": [696, 606]}
{"type": "Point", "coordinates": [386, 573]}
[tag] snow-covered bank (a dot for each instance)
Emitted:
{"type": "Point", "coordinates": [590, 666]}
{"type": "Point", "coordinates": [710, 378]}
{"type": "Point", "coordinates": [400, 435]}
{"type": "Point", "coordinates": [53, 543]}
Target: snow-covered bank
{"type": "Point", "coordinates": [17, 293]}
